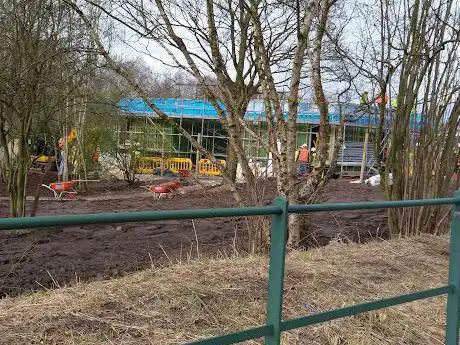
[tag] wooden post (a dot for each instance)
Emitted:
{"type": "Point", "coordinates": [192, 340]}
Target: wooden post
{"type": "Point", "coordinates": [65, 176]}
{"type": "Point", "coordinates": [163, 137]}
{"type": "Point", "coordinates": [364, 160]}
{"type": "Point", "coordinates": [197, 160]}
{"type": "Point", "coordinates": [343, 148]}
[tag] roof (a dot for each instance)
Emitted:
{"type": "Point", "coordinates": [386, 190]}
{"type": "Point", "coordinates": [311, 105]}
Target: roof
{"type": "Point", "coordinates": [201, 109]}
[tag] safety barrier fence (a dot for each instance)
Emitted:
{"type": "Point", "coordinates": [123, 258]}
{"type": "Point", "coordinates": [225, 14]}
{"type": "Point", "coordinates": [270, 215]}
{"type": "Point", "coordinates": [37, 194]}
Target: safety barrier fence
{"type": "Point", "coordinates": [207, 168]}
{"type": "Point", "coordinates": [148, 165]}
{"type": "Point", "coordinates": [178, 164]}
{"type": "Point", "coordinates": [279, 210]}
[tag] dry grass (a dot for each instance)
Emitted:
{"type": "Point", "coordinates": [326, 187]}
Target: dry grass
{"type": "Point", "coordinates": [184, 302]}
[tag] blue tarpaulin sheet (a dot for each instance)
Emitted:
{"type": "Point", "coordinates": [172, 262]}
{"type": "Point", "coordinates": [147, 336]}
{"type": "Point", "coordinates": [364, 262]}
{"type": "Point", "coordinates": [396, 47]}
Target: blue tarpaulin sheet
{"type": "Point", "coordinates": [202, 109]}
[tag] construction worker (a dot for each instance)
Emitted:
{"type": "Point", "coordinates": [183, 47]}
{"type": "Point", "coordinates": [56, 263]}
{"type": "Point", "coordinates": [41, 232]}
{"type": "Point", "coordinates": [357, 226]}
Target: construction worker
{"type": "Point", "coordinates": [302, 156]}
{"type": "Point", "coordinates": [394, 103]}
{"type": "Point", "coordinates": [364, 100]}
{"type": "Point", "coordinates": [96, 154]}
{"type": "Point", "coordinates": [314, 157]}
{"type": "Point", "coordinates": [40, 148]}
{"type": "Point", "coordinates": [74, 160]}
{"type": "Point", "coordinates": [382, 101]}
{"type": "Point", "coordinates": [62, 159]}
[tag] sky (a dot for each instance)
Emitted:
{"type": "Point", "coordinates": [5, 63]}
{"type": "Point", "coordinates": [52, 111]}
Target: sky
{"type": "Point", "coordinates": [128, 46]}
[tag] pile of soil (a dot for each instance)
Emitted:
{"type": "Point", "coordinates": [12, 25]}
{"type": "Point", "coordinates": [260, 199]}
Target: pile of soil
{"type": "Point", "coordinates": [45, 257]}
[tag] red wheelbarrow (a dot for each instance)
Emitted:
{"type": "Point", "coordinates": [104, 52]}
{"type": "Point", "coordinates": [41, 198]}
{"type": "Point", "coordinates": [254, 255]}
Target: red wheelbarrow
{"type": "Point", "coordinates": [163, 189]}
{"type": "Point", "coordinates": [62, 190]}
{"type": "Point", "coordinates": [65, 189]}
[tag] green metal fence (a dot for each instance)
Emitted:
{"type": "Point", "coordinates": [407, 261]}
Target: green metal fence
{"type": "Point", "coordinates": [279, 211]}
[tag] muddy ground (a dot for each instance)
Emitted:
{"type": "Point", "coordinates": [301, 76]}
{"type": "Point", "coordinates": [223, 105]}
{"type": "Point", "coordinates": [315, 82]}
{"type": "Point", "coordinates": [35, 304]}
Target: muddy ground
{"type": "Point", "coordinates": [49, 257]}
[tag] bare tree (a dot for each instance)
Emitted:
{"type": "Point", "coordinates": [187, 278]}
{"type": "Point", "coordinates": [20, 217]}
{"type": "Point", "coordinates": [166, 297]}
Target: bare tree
{"type": "Point", "coordinates": [34, 55]}
{"type": "Point", "coordinates": [246, 47]}
{"type": "Point", "coordinates": [111, 64]}
{"type": "Point", "coordinates": [429, 59]}
{"type": "Point", "coordinates": [231, 64]}
{"type": "Point", "coordinates": [413, 53]}
{"type": "Point", "coordinates": [204, 38]}
{"type": "Point", "coordinates": [313, 19]}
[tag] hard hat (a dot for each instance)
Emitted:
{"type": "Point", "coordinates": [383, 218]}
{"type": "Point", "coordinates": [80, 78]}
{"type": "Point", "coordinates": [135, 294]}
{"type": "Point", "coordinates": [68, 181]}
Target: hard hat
{"type": "Point", "coordinates": [304, 145]}
{"type": "Point", "coordinates": [313, 149]}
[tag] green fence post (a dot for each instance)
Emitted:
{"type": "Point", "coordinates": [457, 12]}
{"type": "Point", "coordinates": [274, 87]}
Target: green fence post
{"type": "Point", "coordinates": [276, 272]}
{"type": "Point", "coordinates": [453, 298]}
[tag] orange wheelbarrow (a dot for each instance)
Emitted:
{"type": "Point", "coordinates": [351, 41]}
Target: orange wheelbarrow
{"type": "Point", "coordinates": [163, 189]}
{"type": "Point", "coordinates": [62, 190]}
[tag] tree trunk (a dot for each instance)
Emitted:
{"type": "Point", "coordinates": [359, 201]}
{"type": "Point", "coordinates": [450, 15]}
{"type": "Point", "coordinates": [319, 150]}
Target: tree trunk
{"type": "Point", "coordinates": [21, 202]}
{"type": "Point", "coordinates": [364, 159]}
{"type": "Point", "coordinates": [35, 203]}
{"type": "Point", "coordinates": [197, 159]}
{"type": "Point", "coordinates": [17, 190]}
{"type": "Point", "coordinates": [232, 163]}
{"type": "Point", "coordinates": [13, 202]}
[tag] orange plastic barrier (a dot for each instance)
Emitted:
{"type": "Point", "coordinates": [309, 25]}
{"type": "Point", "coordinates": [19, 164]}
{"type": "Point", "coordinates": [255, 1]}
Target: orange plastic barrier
{"type": "Point", "coordinates": [207, 168]}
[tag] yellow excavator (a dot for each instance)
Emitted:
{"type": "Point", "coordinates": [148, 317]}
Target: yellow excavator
{"type": "Point", "coordinates": [44, 157]}
{"type": "Point", "coordinates": [45, 162]}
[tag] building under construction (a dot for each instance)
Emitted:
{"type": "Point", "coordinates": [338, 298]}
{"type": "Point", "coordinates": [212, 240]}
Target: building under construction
{"type": "Point", "coordinates": [139, 126]}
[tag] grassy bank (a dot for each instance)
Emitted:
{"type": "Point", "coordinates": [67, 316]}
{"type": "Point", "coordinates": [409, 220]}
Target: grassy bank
{"type": "Point", "coordinates": [185, 302]}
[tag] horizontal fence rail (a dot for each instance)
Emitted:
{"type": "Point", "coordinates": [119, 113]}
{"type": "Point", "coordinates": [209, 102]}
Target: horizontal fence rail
{"type": "Point", "coordinates": [130, 217]}
{"type": "Point", "coordinates": [364, 307]}
{"type": "Point", "coordinates": [370, 205]}
{"type": "Point", "coordinates": [149, 216]}
{"type": "Point", "coordinates": [279, 210]}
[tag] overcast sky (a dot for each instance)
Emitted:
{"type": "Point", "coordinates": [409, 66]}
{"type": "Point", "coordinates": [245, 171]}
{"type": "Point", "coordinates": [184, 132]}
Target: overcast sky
{"type": "Point", "coordinates": [129, 47]}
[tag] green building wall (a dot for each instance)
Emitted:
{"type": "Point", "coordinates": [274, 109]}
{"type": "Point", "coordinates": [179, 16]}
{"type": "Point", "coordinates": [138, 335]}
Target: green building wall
{"type": "Point", "coordinates": [156, 137]}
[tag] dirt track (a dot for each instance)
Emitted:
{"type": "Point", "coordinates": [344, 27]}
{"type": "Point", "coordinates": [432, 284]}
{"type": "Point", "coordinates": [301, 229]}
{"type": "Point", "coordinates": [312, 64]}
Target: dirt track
{"type": "Point", "coordinates": [61, 256]}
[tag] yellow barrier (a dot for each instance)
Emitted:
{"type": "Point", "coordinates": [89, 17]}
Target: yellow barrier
{"type": "Point", "coordinates": [46, 159]}
{"type": "Point", "coordinates": [146, 165]}
{"type": "Point", "coordinates": [176, 164]}
{"type": "Point", "coordinates": [206, 167]}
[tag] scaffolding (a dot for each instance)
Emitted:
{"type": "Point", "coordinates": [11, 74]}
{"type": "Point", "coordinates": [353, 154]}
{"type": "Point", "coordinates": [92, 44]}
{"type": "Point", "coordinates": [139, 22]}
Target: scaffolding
{"type": "Point", "coordinates": [154, 137]}
{"type": "Point", "coordinates": [139, 126]}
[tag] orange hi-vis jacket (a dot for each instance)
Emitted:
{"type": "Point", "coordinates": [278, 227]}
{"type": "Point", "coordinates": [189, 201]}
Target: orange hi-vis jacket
{"type": "Point", "coordinates": [303, 155]}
